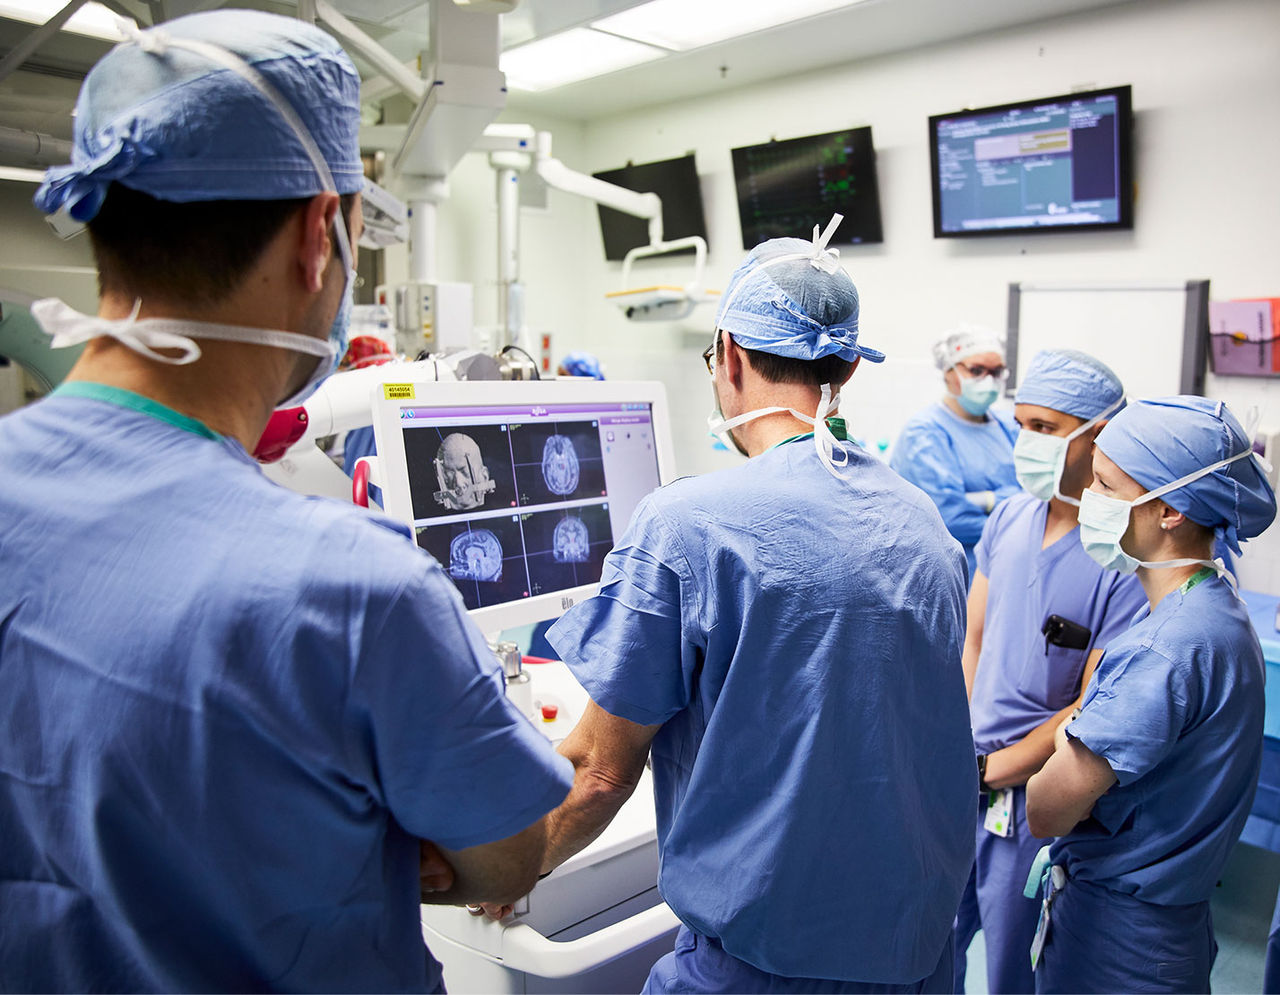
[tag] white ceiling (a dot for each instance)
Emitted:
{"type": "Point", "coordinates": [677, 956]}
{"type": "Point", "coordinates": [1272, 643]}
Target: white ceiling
{"type": "Point", "coordinates": [40, 97]}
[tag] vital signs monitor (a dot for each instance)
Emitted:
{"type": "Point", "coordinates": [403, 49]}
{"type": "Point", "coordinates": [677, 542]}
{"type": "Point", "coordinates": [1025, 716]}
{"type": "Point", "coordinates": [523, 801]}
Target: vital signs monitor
{"type": "Point", "coordinates": [520, 489]}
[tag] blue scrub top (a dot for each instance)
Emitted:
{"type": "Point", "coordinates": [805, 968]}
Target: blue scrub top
{"type": "Point", "coordinates": [798, 638]}
{"type": "Point", "coordinates": [227, 714]}
{"type": "Point", "coordinates": [1020, 680]}
{"type": "Point", "coordinates": [1176, 708]}
{"type": "Point", "coordinates": [946, 457]}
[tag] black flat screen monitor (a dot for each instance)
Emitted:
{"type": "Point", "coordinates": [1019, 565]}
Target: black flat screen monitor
{"type": "Point", "coordinates": [785, 188]}
{"type": "Point", "coordinates": [673, 180]}
{"type": "Point", "coordinates": [1051, 165]}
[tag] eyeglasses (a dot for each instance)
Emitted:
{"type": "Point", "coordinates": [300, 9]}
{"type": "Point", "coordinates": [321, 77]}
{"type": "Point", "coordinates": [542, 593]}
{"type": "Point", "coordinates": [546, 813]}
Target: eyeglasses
{"type": "Point", "coordinates": [707, 353]}
{"type": "Point", "coordinates": [978, 372]}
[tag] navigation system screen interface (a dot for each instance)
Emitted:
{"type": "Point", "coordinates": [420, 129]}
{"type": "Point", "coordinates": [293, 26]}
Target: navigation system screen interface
{"type": "Point", "coordinates": [1051, 164]}
{"type": "Point", "coordinates": [523, 500]}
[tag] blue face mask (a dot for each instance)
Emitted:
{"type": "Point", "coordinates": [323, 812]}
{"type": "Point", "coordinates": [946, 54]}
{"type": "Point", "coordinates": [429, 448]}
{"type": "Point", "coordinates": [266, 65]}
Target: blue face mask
{"type": "Point", "coordinates": [978, 394]}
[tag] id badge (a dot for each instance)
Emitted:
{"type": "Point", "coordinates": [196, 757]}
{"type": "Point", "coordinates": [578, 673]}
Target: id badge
{"type": "Point", "coordinates": [999, 818]}
{"type": "Point", "coordinates": [1042, 930]}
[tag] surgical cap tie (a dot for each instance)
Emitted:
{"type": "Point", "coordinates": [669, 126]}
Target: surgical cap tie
{"type": "Point", "coordinates": [69, 327]}
{"type": "Point", "coordinates": [827, 260]}
{"type": "Point", "coordinates": [86, 185]}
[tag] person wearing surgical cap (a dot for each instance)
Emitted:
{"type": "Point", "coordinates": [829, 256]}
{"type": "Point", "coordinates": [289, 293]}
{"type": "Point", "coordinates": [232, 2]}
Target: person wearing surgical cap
{"type": "Point", "coordinates": [1150, 785]}
{"type": "Point", "coordinates": [784, 636]}
{"type": "Point", "coordinates": [580, 364]}
{"type": "Point", "coordinates": [958, 450]}
{"type": "Point", "coordinates": [216, 771]}
{"type": "Point", "coordinates": [1041, 613]}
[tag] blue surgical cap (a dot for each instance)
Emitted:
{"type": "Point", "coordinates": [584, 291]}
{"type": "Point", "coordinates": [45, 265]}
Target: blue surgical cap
{"type": "Point", "coordinates": [804, 307]}
{"type": "Point", "coordinates": [581, 364]}
{"type": "Point", "coordinates": [1071, 382]}
{"type": "Point", "coordinates": [1159, 441]}
{"type": "Point", "coordinates": [170, 123]}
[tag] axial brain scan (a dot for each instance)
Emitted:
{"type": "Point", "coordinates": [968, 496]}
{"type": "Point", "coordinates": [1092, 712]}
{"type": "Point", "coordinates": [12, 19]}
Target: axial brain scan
{"type": "Point", "coordinates": [560, 465]}
{"type": "Point", "coordinates": [461, 474]}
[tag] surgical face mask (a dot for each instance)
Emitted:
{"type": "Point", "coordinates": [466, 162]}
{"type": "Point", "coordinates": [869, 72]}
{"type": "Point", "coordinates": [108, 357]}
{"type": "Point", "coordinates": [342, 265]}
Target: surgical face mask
{"type": "Point", "coordinates": [145, 337]}
{"type": "Point", "coordinates": [1038, 459]}
{"type": "Point", "coordinates": [1104, 520]}
{"type": "Point", "coordinates": [977, 394]}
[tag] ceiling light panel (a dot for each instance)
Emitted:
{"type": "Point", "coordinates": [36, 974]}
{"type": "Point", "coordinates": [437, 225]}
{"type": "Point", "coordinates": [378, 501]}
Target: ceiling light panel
{"type": "Point", "coordinates": [571, 56]}
{"type": "Point", "coordinates": [93, 19]}
{"type": "Point", "coordinates": [681, 25]}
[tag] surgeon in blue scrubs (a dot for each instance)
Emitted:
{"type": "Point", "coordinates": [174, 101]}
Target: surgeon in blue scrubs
{"type": "Point", "coordinates": [785, 635]}
{"type": "Point", "coordinates": [1149, 788]}
{"type": "Point", "coordinates": [1033, 575]}
{"type": "Point", "coordinates": [230, 715]}
{"type": "Point", "coordinates": [959, 451]}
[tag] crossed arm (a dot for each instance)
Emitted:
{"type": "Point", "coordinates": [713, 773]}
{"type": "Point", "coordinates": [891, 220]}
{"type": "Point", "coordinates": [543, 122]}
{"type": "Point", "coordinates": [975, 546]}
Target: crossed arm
{"type": "Point", "coordinates": [1063, 793]}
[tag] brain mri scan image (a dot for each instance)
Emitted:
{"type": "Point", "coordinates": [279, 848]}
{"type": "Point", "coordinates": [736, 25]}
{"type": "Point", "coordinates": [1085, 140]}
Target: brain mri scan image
{"type": "Point", "coordinates": [476, 555]}
{"type": "Point", "coordinates": [570, 542]}
{"type": "Point", "coordinates": [560, 465]}
{"type": "Point", "coordinates": [462, 476]}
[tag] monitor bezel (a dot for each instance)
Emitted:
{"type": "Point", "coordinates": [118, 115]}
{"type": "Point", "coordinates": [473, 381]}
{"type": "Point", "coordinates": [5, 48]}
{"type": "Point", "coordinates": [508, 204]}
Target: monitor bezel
{"type": "Point", "coordinates": [839, 239]}
{"type": "Point", "coordinates": [393, 474]}
{"type": "Point", "coordinates": [673, 228]}
{"type": "Point", "coordinates": [1124, 131]}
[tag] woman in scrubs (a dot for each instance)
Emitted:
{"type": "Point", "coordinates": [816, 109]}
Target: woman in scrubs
{"type": "Point", "coordinates": [1150, 786]}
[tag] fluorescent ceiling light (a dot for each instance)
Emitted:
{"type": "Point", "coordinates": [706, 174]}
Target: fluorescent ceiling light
{"type": "Point", "coordinates": [684, 24]}
{"type": "Point", "coordinates": [570, 56]}
{"type": "Point", "coordinates": [92, 19]}
{"type": "Point", "coordinates": [21, 175]}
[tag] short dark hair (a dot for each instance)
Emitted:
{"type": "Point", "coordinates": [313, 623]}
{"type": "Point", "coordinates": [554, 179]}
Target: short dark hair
{"type": "Point", "coordinates": [199, 251]}
{"type": "Point", "coordinates": [785, 369]}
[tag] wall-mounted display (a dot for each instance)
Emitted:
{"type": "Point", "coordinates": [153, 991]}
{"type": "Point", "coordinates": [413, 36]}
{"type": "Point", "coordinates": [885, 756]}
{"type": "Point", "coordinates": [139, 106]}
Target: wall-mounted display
{"type": "Point", "coordinates": [1050, 165]}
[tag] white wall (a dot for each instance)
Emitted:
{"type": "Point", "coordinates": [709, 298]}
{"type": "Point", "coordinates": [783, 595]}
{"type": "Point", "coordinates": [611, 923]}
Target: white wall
{"type": "Point", "coordinates": [1206, 85]}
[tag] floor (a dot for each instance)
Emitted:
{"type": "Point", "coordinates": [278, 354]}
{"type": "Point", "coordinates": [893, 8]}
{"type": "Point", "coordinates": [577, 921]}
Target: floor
{"type": "Point", "coordinates": [1242, 910]}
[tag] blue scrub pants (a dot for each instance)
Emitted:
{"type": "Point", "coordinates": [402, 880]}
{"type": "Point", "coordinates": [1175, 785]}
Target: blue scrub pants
{"type": "Point", "coordinates": [1102, 941]}
{"type": "Point", "coordinates": [700, 964]}
{"type": "Point", "coordinates": [993, 902]}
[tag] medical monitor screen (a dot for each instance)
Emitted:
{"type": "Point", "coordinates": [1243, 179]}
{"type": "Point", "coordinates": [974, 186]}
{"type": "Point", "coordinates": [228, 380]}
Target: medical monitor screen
{"type": "Point", "coordinates": [785, 188]}
{"type": "Point", "coordinates": [1052, 165]}
{"type": "Point", "coordinates": [675, 181]}
{"type": "Point", "coordinates": [521, 500]}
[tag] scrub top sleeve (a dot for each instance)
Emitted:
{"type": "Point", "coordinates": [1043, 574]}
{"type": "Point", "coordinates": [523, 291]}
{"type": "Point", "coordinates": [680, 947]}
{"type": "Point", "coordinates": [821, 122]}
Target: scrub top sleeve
{"type": "Point", "coordinates": [455, 761]}
{"type": "Point", "coordinates": [929, 460]}
{"type": "Point", "coordinates": [627, 645]}
{"type": "Point", "coordinates": [1134, 711]}
{"type": "Point", "coordinates": [982, 551]}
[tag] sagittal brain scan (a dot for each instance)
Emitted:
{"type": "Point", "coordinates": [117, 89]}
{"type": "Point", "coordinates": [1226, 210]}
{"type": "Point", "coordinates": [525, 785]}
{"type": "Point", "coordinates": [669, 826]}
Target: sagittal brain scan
{"type": "Point", "coordinates": [475, 555]}
{"type": "Point", "coordinates": [463, 478]}
{"type": "Point", "coordinates": [560, 465]}
{"type": "Point", "coordinates": [570, 542]}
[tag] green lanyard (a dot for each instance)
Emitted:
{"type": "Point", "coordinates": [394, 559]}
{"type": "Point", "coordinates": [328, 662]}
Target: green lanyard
{"type": "Point", "coordinates": [1196, 578]}
{"type": "Point", "coordinates": [134, 402]}
{"type": "Point", "coordinates": [835, 423]}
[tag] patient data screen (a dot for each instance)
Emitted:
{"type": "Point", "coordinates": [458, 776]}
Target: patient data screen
{"type": "Point", "coordinates": [523, 500]}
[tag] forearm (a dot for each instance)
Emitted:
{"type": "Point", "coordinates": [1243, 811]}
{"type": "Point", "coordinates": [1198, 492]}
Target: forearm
{"type": "Point", "coordinates": [1014, 765]}
{"type": "Point", "coordinates": [498, 872]}
{"type": "Point", "coordinates": [590, 806]}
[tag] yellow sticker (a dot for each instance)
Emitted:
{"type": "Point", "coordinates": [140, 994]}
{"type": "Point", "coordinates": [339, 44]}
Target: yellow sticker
{"type": "Point", "coordinates": [398, 391]}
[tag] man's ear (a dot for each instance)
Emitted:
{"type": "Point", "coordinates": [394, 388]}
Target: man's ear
{"type": "Point", "coordinates": [315, 239]}
{"type": "Point", "coordinates": [735, 360]}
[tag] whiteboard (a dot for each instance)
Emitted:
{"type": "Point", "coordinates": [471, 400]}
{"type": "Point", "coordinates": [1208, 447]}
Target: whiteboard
{"type": "Point", "coordinates": [1155, 336]}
